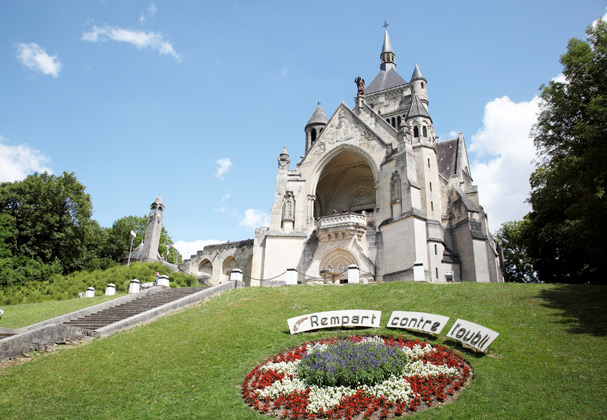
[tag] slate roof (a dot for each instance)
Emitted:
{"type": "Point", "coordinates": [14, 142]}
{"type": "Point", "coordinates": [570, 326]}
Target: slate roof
{"type": "Point", "coordinates": [417, 74]}
{"type": "Point", "coordinates": [318, 117]}
{"type": "Point", "coordinates": [446, 152]}
{"type": "Point", "coordinates": [386, 79]}
{"type": "Point", "coordinates": [417, 109]}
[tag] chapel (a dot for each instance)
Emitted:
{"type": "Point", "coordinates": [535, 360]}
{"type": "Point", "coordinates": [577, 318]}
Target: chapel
{"type": "Point", "coordinates": [375, 190]}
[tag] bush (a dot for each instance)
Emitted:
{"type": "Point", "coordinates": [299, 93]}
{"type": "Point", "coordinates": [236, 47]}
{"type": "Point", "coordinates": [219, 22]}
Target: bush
{"type": "Point", "coordinates": [54, 286]}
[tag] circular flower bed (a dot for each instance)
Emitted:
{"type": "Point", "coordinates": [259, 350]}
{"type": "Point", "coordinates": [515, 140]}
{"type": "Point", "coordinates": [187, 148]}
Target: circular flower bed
{"type": "Point", "coordinates": [355, 377]}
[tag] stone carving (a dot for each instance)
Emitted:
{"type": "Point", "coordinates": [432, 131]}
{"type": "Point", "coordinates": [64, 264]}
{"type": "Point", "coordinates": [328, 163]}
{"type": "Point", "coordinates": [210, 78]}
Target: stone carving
{"type": "Point", "coordinates": [360, 84]}
{"type": "Point", "coordinates": [405, 129]}
{"type": "Point", "coordinates": [289, 207]}
{"type": "Point", "coordinates": [284, 160]}
{"type": "Point", "coordinates": [395, 188]}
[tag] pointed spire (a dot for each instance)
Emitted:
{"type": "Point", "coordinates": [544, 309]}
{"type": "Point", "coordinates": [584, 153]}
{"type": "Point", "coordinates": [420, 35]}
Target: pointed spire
{"type": "Point", "coordinates": [417, 74]}
{"type": "Point", "coordinates": [387, 53]}
{"type": "Point", "coordinates": [318, 117]}
{"type": "Point", "coordinates": [417, 109]}
{"type": "Point", "coordinates": [387, 47]}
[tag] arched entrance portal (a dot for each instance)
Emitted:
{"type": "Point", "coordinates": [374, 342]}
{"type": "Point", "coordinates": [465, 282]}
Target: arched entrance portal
{"type": "Point", "coordinates": [334, 265]}
{"type": "Point", "coordinates": [346, 183]}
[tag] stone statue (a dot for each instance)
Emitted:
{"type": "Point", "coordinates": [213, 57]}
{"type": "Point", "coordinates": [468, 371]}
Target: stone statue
{"type": "Point", "coordinates": [360, 83]}
{"type": "Point", "coordinates": [288, 209]}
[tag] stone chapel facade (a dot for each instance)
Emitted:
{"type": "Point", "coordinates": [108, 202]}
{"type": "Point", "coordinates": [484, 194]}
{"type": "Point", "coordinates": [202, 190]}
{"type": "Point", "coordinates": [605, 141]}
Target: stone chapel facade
{"type": "Point", "coordinates": [374, 189]}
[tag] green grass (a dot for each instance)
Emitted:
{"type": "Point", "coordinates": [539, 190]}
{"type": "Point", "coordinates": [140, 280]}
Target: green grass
{"type": "Point", "coordinates": [549, 361]}
{"type": "Point", "coordinates": [19, 316]}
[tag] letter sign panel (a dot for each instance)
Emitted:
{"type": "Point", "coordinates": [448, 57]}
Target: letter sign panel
{"type": "Point", "coordinates": [418, 321]}
{"type": "Point", "coordinates": [335, 319]}
{"type": "Point", "coordinates": [472, 334]}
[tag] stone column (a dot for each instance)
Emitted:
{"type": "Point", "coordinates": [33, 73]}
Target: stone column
{"type": "Point", "coordinates": [135, 286]}
{"type": "Point", "coordinates": [353, 274]}
{"type": "Point", "coordinates": [418, 271]}
{"type": "Point", "coordinates": [236, 275]}
{"type": "Point", "coordinates": [291, 276]}
{"type": "Point", "coordinates": [110, 290]}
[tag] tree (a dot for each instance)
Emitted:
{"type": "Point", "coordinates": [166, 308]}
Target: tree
{"type": "Point", "coordinates": [45, 218]}
{"type": "Point", "coordinates": [568, 223]}
{"type": "Point", "coordinates": [518, 266]}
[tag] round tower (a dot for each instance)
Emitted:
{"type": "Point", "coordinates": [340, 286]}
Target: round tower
{"type": "Point", "coordinates": [315, 126]}
{"type": "Point", "coordinates": [419, 86]}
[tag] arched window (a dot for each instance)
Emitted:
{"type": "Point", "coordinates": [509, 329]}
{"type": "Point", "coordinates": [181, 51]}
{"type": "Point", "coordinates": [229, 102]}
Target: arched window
{"type": "Point", "coordinates": [416, 131]}
{"type": "Point", "coordinates": [393, 122]}
{"type": "Point", "coordinates": [398, 121]}
{"type": "Point", "coordinates": [313, 136]}
{"type": "Point", "coordinates": [425, 131]}
{"type": "Point", "coordinates": [422, 85]}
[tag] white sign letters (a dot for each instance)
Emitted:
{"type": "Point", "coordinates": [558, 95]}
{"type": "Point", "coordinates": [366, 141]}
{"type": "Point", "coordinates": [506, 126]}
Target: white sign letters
{"type": "Point", "coordinates": [472, 334]}
{"type": "Point", "coordinates": [335, 319]}
{"type": "Point", "coordinates": [418, 321]}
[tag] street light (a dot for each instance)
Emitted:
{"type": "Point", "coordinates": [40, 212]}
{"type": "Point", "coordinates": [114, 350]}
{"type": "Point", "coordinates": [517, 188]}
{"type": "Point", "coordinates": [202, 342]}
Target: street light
{"type": "Point", "coordinates": [133, 234]}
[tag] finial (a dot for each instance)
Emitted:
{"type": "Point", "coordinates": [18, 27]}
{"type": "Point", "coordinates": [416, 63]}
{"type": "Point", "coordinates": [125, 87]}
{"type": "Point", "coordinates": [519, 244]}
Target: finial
{"type": "Point", "coordinates": [318, 102]}
{"type": "Point", "coordinates": [385, 25]}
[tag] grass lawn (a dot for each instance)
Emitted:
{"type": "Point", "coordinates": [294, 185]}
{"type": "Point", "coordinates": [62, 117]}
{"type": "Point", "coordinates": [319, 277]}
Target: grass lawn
{"type": "Point", "coordinates": [19, 316]}
{"type": "Point", "coordinates": [549, 361]}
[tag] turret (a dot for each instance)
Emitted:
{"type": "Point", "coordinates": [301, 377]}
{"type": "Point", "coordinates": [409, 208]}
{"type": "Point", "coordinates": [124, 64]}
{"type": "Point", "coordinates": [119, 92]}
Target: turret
{"type": "Point", "coordinates": [315, 126]}
{"type": "Point", "coordinates": [419, 85]}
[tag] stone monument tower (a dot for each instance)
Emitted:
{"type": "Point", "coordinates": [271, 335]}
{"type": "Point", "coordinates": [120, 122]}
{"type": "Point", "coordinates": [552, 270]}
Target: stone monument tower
{"type": "Point", "coordinates": [152, 232]}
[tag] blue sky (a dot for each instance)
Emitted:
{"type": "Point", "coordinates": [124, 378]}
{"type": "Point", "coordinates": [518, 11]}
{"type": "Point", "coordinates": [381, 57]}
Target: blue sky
{"type": "Point", "coordinates": [194, 100]}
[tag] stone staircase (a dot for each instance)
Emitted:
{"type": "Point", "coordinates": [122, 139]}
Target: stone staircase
{"type": "Point", "coordinates": [126, 310]}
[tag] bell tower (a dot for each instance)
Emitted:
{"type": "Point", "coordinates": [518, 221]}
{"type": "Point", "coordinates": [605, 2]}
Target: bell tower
{"type": "Point", "coordinates": [152, 232]}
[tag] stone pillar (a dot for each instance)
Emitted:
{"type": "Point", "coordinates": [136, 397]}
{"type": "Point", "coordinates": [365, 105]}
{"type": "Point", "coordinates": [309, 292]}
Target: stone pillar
{"type": "Point", "coordinates": [418, 271]}
{"type": "Point", "coordinates": [163, 281]}
{"type": "Point", "coordinates": [90, 292]}
{"type": "Point", "coordinates": [110, 290]}
{"type": "Point", "coordinates": [291, 276]}
{"type": "Point", "coordinates": [353, 274]}
{"type": "Point", "coordinates": [135, 286]}
{"type": "Point", "coordinates": [236, 275]}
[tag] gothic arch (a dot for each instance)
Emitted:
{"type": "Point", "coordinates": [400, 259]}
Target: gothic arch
{"type": "Point", "coordinates": [338, 260]}
{"type": "Point", "coordinates": [340, 179]}
{"type": "Point", "coordinates": [326, 160]}
{"type": "Point", "coordinates": [205, 270]}
{"type": "Point", "coordinates": [228, 265]}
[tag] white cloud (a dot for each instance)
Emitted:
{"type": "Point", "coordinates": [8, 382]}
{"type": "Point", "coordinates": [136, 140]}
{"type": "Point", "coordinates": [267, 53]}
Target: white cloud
{"type": "Point", "coordinates": [140, 39]}
{"type": "Point", "coordinates": [225, 197]}
{"type": "Point", "coordinates": [187, 249]}
{"type": "Point", "coordinates": [505, 143]}
{"type": "Point", "coordinates": [222, 167]}
{"type": "Point", "coordinates": [255, 218]}
{"type": "Point", "coordinates": [151, 11]}
{"type": "Point", "coordinates": [17, 162]}
{"type": "Point", "coordinates": [35, 58]}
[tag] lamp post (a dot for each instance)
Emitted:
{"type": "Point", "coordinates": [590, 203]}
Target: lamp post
{"type": "Point", "coordinates": [133, 234]}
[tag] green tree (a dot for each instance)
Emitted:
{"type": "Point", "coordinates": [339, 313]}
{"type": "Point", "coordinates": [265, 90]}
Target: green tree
{"type": "Point", "coordinates": [567, 224]}
{"type": "Point", "coordinates": [45, 218]}
{"type": "Point", "coordinates": [518, 266]}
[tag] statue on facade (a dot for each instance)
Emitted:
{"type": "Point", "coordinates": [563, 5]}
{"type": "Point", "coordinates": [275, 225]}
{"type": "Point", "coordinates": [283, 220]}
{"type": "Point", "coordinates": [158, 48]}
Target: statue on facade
{"type": "Point", "coordinates": [360, 84]}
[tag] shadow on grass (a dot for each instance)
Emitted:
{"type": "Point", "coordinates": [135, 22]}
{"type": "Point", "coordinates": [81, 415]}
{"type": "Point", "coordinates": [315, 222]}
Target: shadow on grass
{"type": "Point", "coordinates": [583, 307]}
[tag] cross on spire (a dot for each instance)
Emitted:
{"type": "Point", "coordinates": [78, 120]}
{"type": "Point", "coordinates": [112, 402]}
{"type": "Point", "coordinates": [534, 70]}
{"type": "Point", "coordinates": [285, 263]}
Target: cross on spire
{"type": "Point", "coordinates": [385, 25]}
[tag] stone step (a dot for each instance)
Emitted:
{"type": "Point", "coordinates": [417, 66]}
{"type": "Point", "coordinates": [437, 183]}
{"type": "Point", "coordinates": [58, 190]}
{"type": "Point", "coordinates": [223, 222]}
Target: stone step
{"type": "Point", "coordinates": [126, 310]}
